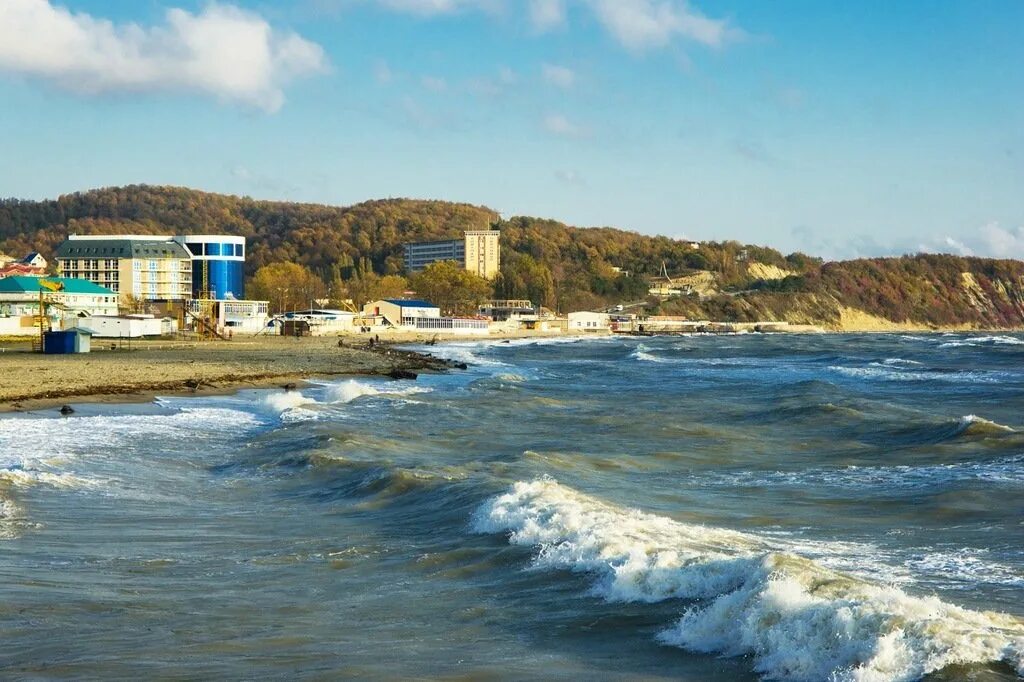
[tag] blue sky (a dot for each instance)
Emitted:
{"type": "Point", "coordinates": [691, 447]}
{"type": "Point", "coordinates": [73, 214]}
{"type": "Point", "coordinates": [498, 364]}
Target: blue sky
{"type": "Point", "coordinates": [851, 129]}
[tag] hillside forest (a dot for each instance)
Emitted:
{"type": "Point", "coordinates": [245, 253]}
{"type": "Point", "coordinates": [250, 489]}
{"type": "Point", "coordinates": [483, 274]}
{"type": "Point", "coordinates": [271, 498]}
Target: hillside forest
{"type": "Point", "coordinates": [356, 252]}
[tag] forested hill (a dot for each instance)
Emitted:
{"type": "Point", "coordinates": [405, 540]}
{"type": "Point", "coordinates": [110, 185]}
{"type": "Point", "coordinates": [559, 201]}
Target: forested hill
{"type": "Point", "coordinates": [560, 266]}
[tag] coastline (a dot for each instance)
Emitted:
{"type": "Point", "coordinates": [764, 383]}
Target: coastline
{"type": "Point", "coordinates": [33, 382]}
{"type": "Point", "coordinates": [38, 382]}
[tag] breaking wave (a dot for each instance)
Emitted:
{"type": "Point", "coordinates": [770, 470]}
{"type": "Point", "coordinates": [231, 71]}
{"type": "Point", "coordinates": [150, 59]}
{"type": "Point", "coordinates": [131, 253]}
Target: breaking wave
{"type": "Point", "coordinates": [974, 425]}
{"type": "Point", "coordinates": [462, 352]}
{"type": "Point", "coordinates": [287, 400]}
{"type": "Point", "coordinates": [48, 438]}
{"type": "Point", "coordinates": [795, 618]}
{"type": "Point", "coordinates": [641, 352]}
{"type": "Point", "coordinates": [876, 372]}
{"type": "Point", "coordinates": [976, 341]}
{"type": "Point", "coordinates": [885, 479]}
{"type": "Point", "coordinates": [351, 390]}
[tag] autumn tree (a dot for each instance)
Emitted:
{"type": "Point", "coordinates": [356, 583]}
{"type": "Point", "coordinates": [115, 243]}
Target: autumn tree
{"type": "Point", "coordinates": [369, 286]}
{"type": "Point", "coordinates": [130, 304]}
{"type": "Point", "coordinates": [288, 286]}
{"type": "Point", "coordinates": [522, 277]}
{"type": "Point", "coordinates": [451, 287]}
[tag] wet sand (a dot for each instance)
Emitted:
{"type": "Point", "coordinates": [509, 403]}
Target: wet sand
{"type": "Point", "coordinates": [33, 381]}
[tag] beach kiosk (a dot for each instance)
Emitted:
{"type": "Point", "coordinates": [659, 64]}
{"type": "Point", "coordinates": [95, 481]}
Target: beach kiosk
{"type": "Point", "coordinates": [77, 340]}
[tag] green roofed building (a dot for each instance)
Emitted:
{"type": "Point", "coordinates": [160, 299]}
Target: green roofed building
{"type": "Point", "coordinates": [19, 296]}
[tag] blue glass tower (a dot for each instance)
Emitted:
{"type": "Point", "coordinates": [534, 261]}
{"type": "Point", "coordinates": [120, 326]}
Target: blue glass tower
{"type": "Point", "coordinates": [218, 265]}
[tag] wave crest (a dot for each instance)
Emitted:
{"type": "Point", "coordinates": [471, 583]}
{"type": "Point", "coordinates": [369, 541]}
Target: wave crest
{"type": "Point", "coordinates": [795, 618]}
{"type": "Point", "coordinates": [351, 390]}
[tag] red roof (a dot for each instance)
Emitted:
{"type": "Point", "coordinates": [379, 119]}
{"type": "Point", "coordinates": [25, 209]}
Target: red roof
{"type": "Point", "coordinates": [20, 269]}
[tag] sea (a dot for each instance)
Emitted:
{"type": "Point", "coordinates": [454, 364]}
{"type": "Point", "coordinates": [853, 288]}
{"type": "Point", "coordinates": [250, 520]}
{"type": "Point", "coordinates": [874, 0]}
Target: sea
{"type": "Point", "coordinates": [705, 508]}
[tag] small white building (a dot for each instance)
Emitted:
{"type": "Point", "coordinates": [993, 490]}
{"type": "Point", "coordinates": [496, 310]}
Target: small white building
{"type": "Point", "coordinates": [316, 322]}
{"type": "Point", "coordinates": [586, 321]}
{"type": "Point", "coordinates": [400, 312]}
{"type": "Point", "coordinates": [470, 326]}
{"type": "Point", "coordinates": [244, 317]}
{"type": "Point", "coordinates": [35, 260]}
{"type": "Point", "coordinates": [124, 326]}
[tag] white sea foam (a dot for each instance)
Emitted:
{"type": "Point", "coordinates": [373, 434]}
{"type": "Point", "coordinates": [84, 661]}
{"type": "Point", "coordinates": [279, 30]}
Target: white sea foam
{"type": "Point", "coordinates": [24, 441]}
{"type": "Point", "coordinates": [12, 519]}
{"type": "Point", "coordinates": [464, 351]}
{"type": "Point", "coordinates": [795, 618]}
{"type": "Point", "coordinates": [286, 400]}
{"type": "Point", "coordinates": [25, 478]}
{"type": "Point", "coordinates": [886, 479]}
{"type": "Point", "coordinates": [897, 362]}
{"type": "Point", "coordinates": [642, 353]}
{"type": "Point", "coordinates": [967, 420]}
{"type": "Point", "coordinates": [351, 390]}
{"type": "Point", "coordinates": [983, 341]}
{"type": "Point", "coordinates": [958, 344]}
{"type": "Point", "coordinates": [1001, 340]}
{"type": "Point", "coordinates": [965, 568]}
{"type": "Point", "coordinates": [881, 373]}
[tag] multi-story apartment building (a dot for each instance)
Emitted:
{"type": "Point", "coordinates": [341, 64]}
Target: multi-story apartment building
{"type": "Point", "coordinates": [148, 267]}
{"type": "Point", "coordinates": [158, 268]}
{"type": "Point", "coordinates": [479, 251]}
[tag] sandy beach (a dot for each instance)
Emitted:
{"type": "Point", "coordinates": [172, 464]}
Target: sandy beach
{"type": "Point", "coordinates": [33, 381]}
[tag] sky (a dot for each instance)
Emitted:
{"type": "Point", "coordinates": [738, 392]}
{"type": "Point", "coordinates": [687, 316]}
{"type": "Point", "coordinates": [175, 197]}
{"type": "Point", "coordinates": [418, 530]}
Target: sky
{"type": "Point", "coordinates": [839, 129]}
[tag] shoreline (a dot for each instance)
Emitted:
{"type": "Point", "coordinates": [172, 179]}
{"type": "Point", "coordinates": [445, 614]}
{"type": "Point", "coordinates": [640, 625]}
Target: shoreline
{"type": "Point", "coordinates": [33, 382]}
{"type": "Point", "coordinates": [203, 368]}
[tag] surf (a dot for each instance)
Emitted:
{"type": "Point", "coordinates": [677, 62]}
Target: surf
{"type": "Point", "coordinates": [794, 618]}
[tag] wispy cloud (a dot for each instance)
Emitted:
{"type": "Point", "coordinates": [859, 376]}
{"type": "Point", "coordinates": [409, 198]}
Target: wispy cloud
{"type": "Point", "coordinates": [636, 24]}
{"type": "Point", "coordinates": [547, 14]}
{"type": "Point", "coordinates": [992, 240]}
{"type": "Point", "coordinates": [559, 76]}
{"type": "Point", "coordinates": [434, 83]}
{"type": "Point", "coordinates": [494, 86]}
{"type": "Point", "coordinates": [646, 24]}
{"type": "Point", "coordinates": [755, 151]}
{"type": "Point", "coordinates": [557, 124]}
{"type": "Point", "coordinates": [434, 7]}
{"type": "Point", "coordinates": [382, 72]}
{"type": "Point", "coordinates": [570, 177]}
{"type": "Point", "coordinates": [222, 51]}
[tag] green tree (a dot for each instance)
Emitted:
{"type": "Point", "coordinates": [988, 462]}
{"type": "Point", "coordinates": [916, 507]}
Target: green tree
{"type": "Point", "coordinates": [369, 286]}
{"type": "Point", "coordinates": [451, 287]}
{"type": "Point", "coordinates": [523, 277]}
{"type": "Point", "coordinates": [288, 286]}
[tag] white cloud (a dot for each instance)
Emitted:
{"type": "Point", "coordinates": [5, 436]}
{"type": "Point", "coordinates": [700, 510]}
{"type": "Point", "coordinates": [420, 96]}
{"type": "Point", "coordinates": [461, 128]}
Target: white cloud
{"type": "Point", "coordinates": [644, 24]}
{"type": "Point", "coordinates": [547, 14]}
{"type": "Point", "coordinates": [570, 177]}
{"type": "Point", "coordinates": [494, 87]}
{"type": "Point", "coordinates": [557, 124]}
{"type": "Point", "coordinates": [956, 246]}
{"type": "Point", "coordinates": [559, 76]}
{"type": "Point", "coordinates": [223, 51]}
{"type": "Point", "coordinates": [991, 240]}
{"type": "Point", "coordinates": [1000, 242]}
{"type": "Point", "coordinates": [636, 24]}
{"type": "Point", "coordinates": [434, 83]}
{"type": "Point", "coordinates": [382, 72]}
{"type": "Point", "coordinates": [436, 7]}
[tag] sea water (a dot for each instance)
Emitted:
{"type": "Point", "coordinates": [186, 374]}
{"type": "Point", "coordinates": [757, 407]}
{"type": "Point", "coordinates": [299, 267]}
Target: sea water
{"type": "Point", "coordinates": [697, 508]}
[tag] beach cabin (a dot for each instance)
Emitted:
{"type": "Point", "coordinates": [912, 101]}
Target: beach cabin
{"type": "Point", "coordinates": [400, 312]}
{"type": "Point", "coordinates": [316, 322]}
{"type": "Point", "coordinates": [586, 321]}
{"type": "Point", "coordinates": [76, 340]}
